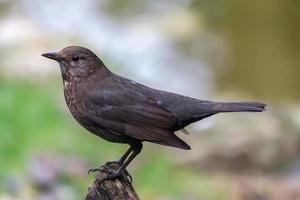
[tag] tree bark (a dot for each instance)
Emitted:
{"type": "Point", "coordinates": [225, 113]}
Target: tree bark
{"type": "Point", "coordinates": [116, 189]}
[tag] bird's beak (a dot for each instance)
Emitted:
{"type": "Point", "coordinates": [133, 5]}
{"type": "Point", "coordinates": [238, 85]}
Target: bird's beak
{"type": "Point", "coordinates": [52, 55]}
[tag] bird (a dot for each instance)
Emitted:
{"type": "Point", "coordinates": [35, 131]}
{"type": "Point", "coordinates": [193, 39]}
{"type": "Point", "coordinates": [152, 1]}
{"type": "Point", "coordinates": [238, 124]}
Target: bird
{"type": "Point", "coordinates": [121, 110]}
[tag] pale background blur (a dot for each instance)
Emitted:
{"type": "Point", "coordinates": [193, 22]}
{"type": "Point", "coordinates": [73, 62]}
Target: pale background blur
{"type": "Point", "coordinates": [215, 50]}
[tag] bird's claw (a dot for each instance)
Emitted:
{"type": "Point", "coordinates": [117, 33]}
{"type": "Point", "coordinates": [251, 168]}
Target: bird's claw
{"type": "Point", "coordinates": [129, 176]}
{"type": "Point", "coordinates": [94, 170]}
{"type": "Point", "coordinates": [115, 162]}
{"type": "Point", "coordinates": [111, 173]}
{"type": "Point", "coordinates": [103, 168]}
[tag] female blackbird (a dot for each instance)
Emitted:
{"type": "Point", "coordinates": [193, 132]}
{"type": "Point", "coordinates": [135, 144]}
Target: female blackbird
{"type": "Point", "coordinates": [123, 111]}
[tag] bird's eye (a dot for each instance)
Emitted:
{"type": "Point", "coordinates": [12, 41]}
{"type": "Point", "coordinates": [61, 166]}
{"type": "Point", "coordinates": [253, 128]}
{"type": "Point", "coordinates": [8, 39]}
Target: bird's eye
{"type": "Point", "coordinates": [75, 58]}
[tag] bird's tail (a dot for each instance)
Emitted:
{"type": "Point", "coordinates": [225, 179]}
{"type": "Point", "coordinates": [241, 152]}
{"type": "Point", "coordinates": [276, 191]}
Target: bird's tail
{"type": "Point", "coordinates": [217, 107]}
{"type": "Point", "coordinates": [208, 108]}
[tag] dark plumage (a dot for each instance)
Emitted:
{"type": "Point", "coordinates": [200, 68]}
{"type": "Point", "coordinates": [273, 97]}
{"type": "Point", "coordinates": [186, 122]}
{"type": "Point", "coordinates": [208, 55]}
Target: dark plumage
{"type": "Point", "coordinates": [123, 111]}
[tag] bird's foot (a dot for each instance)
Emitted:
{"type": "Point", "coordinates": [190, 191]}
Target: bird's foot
{"type": "Point", "coordinates": [105, 167]}
{"type": "Point", "coordinates": [94, 170]}
{"type": "Point", "coordinates": [115, 162]}
{"type": "Point", "coordinates": [113, 170]}
{"type": "Point", "coordinates": [113, 173]}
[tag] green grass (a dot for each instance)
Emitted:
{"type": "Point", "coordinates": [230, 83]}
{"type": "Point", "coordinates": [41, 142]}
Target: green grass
{"type": "Point", "coordinates": [33, 119]}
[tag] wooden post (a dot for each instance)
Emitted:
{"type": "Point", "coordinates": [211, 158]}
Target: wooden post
{"type": "Point", "coordinates": [116, 189]}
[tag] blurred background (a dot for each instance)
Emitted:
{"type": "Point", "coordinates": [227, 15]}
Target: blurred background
{"type": "Point", "coordinates": [216, 50]}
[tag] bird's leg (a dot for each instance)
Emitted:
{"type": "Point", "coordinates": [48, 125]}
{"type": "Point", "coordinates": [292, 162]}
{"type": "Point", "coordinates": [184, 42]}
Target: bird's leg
{"type": "Point", "coordinates": [136, 149]}
{"type": "Point", "coordinates": [118, 162]}
{"type": "Point", "coordinates": [122, 159]}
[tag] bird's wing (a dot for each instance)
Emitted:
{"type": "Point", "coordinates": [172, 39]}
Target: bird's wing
{"type": "Point", "coordinates": [127, 106]}
{"type": "Point", "coordinates": [139, 116]}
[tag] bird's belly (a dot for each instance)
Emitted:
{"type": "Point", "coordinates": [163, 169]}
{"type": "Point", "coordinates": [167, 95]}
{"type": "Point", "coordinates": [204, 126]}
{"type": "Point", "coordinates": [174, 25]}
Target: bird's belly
{"type": "Point", "coordinates": [94, 128]}
{"type": "Point", "coordinates": [76, 107]}
{"type": "Point", "coordinates": [102, 132]}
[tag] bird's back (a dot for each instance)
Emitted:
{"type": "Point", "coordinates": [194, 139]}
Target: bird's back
{"type": "Point", "coordinates": [186, 109]}
{"type": "Point", "coordinates": [182, 107]}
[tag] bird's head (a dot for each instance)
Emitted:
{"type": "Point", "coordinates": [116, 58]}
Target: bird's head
{"type": "Point", "coordinates": [76, 61]}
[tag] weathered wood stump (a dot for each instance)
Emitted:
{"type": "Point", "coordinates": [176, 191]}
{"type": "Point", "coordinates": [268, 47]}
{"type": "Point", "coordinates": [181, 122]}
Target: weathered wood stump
{"type": "Point", "coordinates": [116, 189]}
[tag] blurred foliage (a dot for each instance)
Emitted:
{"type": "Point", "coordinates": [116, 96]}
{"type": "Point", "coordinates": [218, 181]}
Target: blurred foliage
{"type": "Point", "coordinates": [119, 8]}
{"type": "Point", "coordinates": [264, 37]}
{"type": "Point", "coordinates": [4, 5]}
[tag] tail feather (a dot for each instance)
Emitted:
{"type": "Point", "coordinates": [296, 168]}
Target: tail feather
{"type": "Point", "coordinates": [237, 107]}
{"type": "Point", "coordinates": [208, 108]}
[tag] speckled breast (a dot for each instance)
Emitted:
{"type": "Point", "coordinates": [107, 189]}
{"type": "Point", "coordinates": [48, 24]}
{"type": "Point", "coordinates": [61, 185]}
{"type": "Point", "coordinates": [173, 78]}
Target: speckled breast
{"type": "Point", "coordinates": [74, 96]}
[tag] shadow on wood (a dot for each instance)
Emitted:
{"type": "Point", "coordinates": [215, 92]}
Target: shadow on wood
{"type": "Point", "coordinates": [116, 189]}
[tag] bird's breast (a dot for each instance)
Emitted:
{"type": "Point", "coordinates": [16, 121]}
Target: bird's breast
{"type": "Point", "coordinates": [74, 95]}
{"type": "Point", "coordinates": [74, 99]}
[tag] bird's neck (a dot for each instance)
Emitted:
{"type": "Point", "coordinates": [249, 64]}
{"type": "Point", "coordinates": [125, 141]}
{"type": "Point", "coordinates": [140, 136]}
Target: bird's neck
{"type": "Point", "coordinates": [102, 73]}
{"type": "Point", "coordinates": [99, 73]}
{"type": "Point", "coordinates": [75, 87]}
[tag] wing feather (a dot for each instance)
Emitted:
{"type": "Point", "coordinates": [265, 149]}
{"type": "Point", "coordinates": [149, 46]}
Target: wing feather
{"type": "Point", "coordinates": [141, 117]}
{"type": "Point", "coordinates": [159, 136]}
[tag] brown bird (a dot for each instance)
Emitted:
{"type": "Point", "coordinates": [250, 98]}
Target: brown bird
{"type": "Point", "coordinates": [123, 111]}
